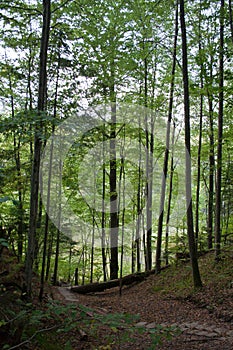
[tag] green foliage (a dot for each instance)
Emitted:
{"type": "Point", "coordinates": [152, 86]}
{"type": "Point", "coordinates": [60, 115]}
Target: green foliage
{"type": "Point", "coordinates": [96, 47]}
{"type": "Point", "coordinates": [177, 280]}
{"type": "Point", "coordinates": [33, 325]}
{"type": "Point", "coordinates": [122, 327]}
{"type": "Point", "coordinates": [4, 242]}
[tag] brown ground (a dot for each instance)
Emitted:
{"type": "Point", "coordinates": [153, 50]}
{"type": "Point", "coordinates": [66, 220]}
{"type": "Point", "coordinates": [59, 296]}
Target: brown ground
{"type": "Point", "coordinates": [201, 320]}
{"type": "Point", "coordinates": [202, 328]}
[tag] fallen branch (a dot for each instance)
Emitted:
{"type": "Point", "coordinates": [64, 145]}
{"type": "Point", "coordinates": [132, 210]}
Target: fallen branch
{"type": "Point", "coordinates": [32, 337]}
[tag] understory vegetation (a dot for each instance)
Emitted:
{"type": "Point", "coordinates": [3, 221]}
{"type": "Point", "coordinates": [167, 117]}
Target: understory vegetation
{"type": "Point", "coordinates": [56, 324]}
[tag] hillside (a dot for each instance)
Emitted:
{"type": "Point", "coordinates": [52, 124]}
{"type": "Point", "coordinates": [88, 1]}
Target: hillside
{"type": "Point", "coordinates": [166, 307]}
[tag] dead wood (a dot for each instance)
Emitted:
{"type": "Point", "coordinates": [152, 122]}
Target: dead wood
{"type": "Point", "coordinates": [102, 286]}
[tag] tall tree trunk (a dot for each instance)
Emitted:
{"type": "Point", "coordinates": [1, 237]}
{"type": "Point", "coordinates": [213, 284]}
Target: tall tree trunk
{"type": "Point", "coordinates": [166, 156]}
{"type": "Point", "coordinates": [122, 179]}
{"type": "Point", "coordinates": [148, 171]}
{"type": "Point", "coordinates": [37, 146]}
{"type": "Point", "coordinates": [230, 19]}
{"type": "Point", "coordinates": [169, 198]}
{"type": "Point", "coordinates": [144, 241]}
{"type": "Point", "coordinates": [139, 204]}
{"type": "Point", "coordinates": [46, 230]}
{"type": "Point", "coordinates": [29, 99]}
{"type": "Point", "coordinates": [17, 144]}
{"type": "Point", "coordinates": [200, 137]}
{"type": "Point", "coordinates": [55, 272]}
{"type": "Point", "coordinates": [133, 245]}
{"type": "Point", "coordinates": [220, 132]}
{"type": "Point", "coordinates": [103, 221]}
{"type": "Point", "coordinates": [113, 184]}
{"type": "Point", "coordinates": [211, 174]}
{"type": "Point", "coordinates": [198, 173]}
{"type": "Point", "coordinates": [93, 229]}
{"type": "Point", "coordinates": [188, 182]}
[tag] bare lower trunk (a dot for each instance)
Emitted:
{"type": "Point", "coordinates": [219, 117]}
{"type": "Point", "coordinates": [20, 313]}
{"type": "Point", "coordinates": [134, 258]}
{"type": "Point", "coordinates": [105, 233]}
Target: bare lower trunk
{"type": "Point", "coordinates": [220, 132]}
{"type": "Point", "coordinates": [166, 156]}
{"type": "Point", "coordinates": [191, 237]}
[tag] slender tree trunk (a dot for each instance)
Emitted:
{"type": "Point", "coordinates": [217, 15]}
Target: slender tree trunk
{"type": "Point", "coordinates": [198, 172]}
{"type": "Point", "coordinates": [220, 133]}
{"type": "Point", "coordinates": [29, 99]}
{"type": "Point", "coordinates": [191, 237]}
{"type": "Point", "coordinates": [139, 205]}
{"type": "Point", "coordinates": [37, 147]}
{"type": "Point", "coordinates": [166, 156]}
{"type": "Point", "coordinates": [133, 246]}
{"type": "Point", "coordinates": [144, 241]}
{"type": "Point", "coordinates": [93, 228]}
{"type": "Point", "coordinates": [19, 182]}
{"type": "Point", "coordinates": [199, 142]}
{"type": "Point", "coordinates": [46, 231]}
{"type": "Point", "coordinates": [148, 172]}
{"type": "Point", "coordinates": [230, 19]}
{"type": "Point", "coordinates": [83, 267]}
{"type": "Point", "coordinates": [92, 251]}
{"type": "Point", "coordinates": [55, 272]}
{"type": "Point", "coordinates": [113, 185]}
{"type": "Point", "coordinates": [122, 179]}
{"type": "Point", "coordinates": [49, 256]}
{"type": "Point", "coordinates": [103, 234]}
{"type": "Point", "coordinates": [200, 137]}
{"type": "Point", "coordinates": [169, 199]}
{"type": "Point", "coordinates": [211, 174]}
{"type": "Point", "coordinates": [147, 238]}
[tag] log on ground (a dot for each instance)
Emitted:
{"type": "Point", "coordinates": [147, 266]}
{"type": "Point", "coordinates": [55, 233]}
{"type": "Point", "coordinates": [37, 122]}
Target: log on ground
{"type": "Point", "coordinates": [102, 286]}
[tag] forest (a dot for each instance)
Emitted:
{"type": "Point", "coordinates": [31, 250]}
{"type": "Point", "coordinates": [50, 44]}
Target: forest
{"type": "Point", "coordinates": [116, 136]}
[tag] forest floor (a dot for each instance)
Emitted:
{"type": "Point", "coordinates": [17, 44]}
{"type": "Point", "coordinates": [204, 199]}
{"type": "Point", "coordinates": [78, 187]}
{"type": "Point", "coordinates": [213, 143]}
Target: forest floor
{"type": "Point", "coordinates": [166, 313]}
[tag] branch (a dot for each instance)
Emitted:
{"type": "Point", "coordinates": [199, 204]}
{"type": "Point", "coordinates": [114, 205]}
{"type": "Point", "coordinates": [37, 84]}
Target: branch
{"type": "Point", "coordinates": [60, 6]}
{"type": "Point", "coordinates": [23, 9]}
{"type": "Point", "coordinates": [33, 336]}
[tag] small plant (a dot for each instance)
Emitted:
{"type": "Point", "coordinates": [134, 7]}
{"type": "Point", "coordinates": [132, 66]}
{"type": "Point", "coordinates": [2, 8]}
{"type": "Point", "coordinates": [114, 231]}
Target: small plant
{"type": "Point", "coordinates": [4, 243]}
{"type": "Point", "coordinates": [122, 328]}
{"type": "Point", "coordinates": [30, 326]}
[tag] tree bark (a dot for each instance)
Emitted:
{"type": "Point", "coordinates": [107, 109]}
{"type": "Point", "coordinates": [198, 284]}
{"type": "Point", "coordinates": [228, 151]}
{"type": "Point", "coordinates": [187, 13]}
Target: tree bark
{"type": "Point", "coordinates": [220, 133]}
{"type": "Point", "coordinates": [125, 281]}
{"type": "Point", "coordinates": [211, 175]}
{"type": "Point", "coordinates": [103, 220]}
{"type": "Point", "coordinates": [17, 144]}
{"type": "Point", "coordinates": [100, 287]}
{"type": "Point", "coordinates": [230, 19]}
{"type": "Point", "coordinates": [172, 168]}
{"type": "Point", "coordinates": [166, 156]}
{"type": "Point", "coordinates": [149, 170]}
{"type": "Point", "coordinates": [113, 184]}
{"type": "Point", "coordinates": [188, 182]}
{"type": "Point", "coordinates": [200, 138]}
{"type": "Point", "coordinates": [37, 146]}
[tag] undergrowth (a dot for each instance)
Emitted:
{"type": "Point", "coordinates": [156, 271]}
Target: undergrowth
{"type": "Point", "coordinates": [56, 326]}
{"type": "Point", "coordinates": [41, 328]}
{"type": "Point", "coordinates": [177, 280]}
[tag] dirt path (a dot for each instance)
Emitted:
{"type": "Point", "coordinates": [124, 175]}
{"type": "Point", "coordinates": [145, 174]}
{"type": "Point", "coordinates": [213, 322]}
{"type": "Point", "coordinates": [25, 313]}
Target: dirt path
{"type": "Point", "coordinates": [198, 328]}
